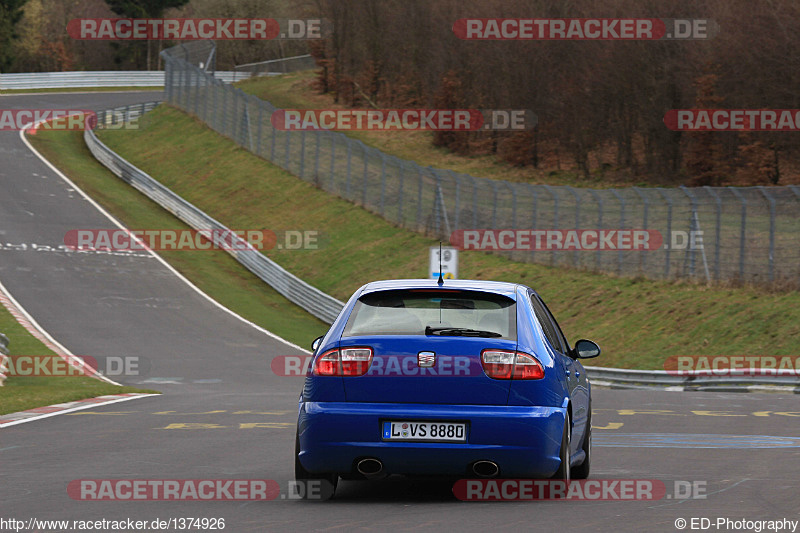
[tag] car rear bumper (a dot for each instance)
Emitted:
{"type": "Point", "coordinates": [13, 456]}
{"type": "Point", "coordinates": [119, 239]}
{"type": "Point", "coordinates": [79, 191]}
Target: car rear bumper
{"type": "Point", "coordinates": [523, 441]}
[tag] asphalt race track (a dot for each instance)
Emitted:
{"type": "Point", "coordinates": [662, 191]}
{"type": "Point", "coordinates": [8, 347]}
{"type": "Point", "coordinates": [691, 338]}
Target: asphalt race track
{"type": "Point", "coordinates": [224, 414]}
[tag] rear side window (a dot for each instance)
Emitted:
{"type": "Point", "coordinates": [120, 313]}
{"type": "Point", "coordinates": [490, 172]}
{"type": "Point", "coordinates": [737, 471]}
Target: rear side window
{"type": "Point", "coordinates": [443, 312]}
{"type": "Point", "coordinates": [547, 324]}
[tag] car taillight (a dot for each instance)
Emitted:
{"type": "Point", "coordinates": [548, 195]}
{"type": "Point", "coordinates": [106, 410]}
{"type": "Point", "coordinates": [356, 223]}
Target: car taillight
{"type": "Point", "coordinates": [356, 361]}
{"type": "Point", "coordinates": [527, 367]}
{"type": "Point", "coordinates": [503, 364]}
{"type": "Point", "coordinates": [346, 362]}
{"type": "Point", "coordinates": [498, 364]}
{"type": "Point", "coordinates": [327, 364]}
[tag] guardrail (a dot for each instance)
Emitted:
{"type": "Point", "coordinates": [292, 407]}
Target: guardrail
{"type": "Point", "coordinates": [273, 67]}
{"type": "Point", "coordinates": [78, 79]}
{"type": "Point", "coordinates": [734, 381]}
{"type": "Point", "coordinates": [313, 300]}
{"type": "Point", "coordinates": [327, 308]}
{"type": "Point", "coordinates": [3, 358]}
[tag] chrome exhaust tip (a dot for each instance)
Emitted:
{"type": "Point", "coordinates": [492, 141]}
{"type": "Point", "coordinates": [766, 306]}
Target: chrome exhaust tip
{"type": "Point", "coordinates": [370, 468]}
{"type": "Point", "coordinates": [485, 469]}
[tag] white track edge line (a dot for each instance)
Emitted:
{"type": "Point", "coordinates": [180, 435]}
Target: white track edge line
{"type": "Point", "coordinates": [46, 334]}
{"type": "Point", "coordinates": [72, 409]}
{"type": "Point", "coordinates": [158, 257]}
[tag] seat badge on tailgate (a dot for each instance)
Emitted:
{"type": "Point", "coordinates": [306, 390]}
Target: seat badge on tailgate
{"type": "Point", "coordinates": [426, 359]}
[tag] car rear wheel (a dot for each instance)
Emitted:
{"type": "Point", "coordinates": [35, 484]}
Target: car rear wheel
{"type": "Point", "coordinates": [582, 471]}
{"type": "Point", "coordinates": [312, 486]}
{"type": "Point", "coordinates": [563, 471]}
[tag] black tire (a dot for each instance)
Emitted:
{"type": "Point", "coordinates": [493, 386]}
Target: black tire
{"type": "Point", "coordinates": [322, 486]}
{"type": "Point", "coordinates": [582, 470]}
{"type": "Point", "coordinates": [564, 469]}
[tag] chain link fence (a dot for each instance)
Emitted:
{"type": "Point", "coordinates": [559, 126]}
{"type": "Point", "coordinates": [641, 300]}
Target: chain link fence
{"type": "Point", "coordinates": [741, 234]}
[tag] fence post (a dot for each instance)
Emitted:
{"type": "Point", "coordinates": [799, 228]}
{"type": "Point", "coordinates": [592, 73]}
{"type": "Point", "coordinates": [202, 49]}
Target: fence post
{"type": "Point", "coordinates": [230, 124]}
{"type": "Point", "coordinates": [349, 162]}
{"type": "Point", "coordinates": [669, 231]}
{"type": "Point", "coordinates": [621, 225]}
{"type": "Point", "coordinates": [494, 205]}
{"type": "Point", "coordinates": [179, 92]}
{"type": "Point", "coordinates": [366, 170]}
{"type": "Point", "coordinates": [400, 219]}
{"type": "Point", "coordinates": [513, 203]}
{"type": "Point", "coordinates": [318, 138]}
{"type": "Point", "coordinates": [302, 152]}
{"type": "Point", "coordinates": [742, 231]}
{"type": "Point", "coordinates": [436, 204]}
{"type": "Point", "coordinates": [535, 196]}
{"type": "Point", "coordinates": [187, 89]}
{"type": "Point", "coordinates": [248, 122]}
{"type": "Point", "coordinates": [646, 201]}
{"type": "Point", "coordinates": [575, 261]}
{"type": "Point", "coordinates": [718, 203]}
{"type": "Point", "coordinates": [549, 189]}
{"type": "Point", "coordinates": [197, 90]}
{"type": "Point", "coordinates": [288, 148]}
{"type": "Point", "coordinates": [599, 199]}
{"type": "Point", "coordinates": [383, 181]}
{"type": "Point", "coordinates": [690, 252]}
{"type": "Point", "coordinates": [167, 77]}
{"type": "Point", "coordinates": [187, 92]}
{"type": "Point", "coordinates": [333, 161]}
{"type": "Point", "coordinates": [215, 90]}
{"type": "Point", "coordinates": [474, 201]}
{"type": "Point", "coordinates": [771, 201]}
{"type": "Point", "coordinates": [222, 129]}
{"type": "Point", "coordinates": [457, 183]}
{"type": "Point", "coordinates": [208, 83]}
{"type": "Point", "coordinates": [258, 134]}
{"type": "Point", "coordinates": [419, 198]}
{"type": "Point", "coordinates": [273, 141]}
{"type": "Point", "coordinates": [236, 131]}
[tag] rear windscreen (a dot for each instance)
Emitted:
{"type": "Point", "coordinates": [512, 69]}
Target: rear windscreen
{"type": "Point", "coordinates": [433, 312]}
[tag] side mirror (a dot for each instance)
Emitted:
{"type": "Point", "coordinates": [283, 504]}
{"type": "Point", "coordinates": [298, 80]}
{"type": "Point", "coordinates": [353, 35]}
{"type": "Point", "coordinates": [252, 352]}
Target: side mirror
{"type": "Point", "coordinates": [315, 344]}
{"type": "Point", "coordinates": [585, 349]}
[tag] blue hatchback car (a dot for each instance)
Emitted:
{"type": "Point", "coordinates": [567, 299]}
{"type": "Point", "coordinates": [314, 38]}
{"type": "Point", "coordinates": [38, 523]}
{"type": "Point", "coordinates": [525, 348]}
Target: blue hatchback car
{"type": "Point", "coordinates": [464, 379]}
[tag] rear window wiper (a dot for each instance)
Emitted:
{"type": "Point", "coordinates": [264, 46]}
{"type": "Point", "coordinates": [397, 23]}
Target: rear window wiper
{"type": "Point", "coordinates": [463, 332]}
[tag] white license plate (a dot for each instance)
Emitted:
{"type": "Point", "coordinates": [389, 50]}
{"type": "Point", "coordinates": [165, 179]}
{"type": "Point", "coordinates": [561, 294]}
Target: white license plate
{"type": "Point", "coordinates": [427, 431]}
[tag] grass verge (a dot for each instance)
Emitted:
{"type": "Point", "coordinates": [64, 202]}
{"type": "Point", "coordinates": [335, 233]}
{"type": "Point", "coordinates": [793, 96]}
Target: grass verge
{"type": "Point", "coordinates": [20, 393]}
{"type": "Point", "coordinates": [638, 322]}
